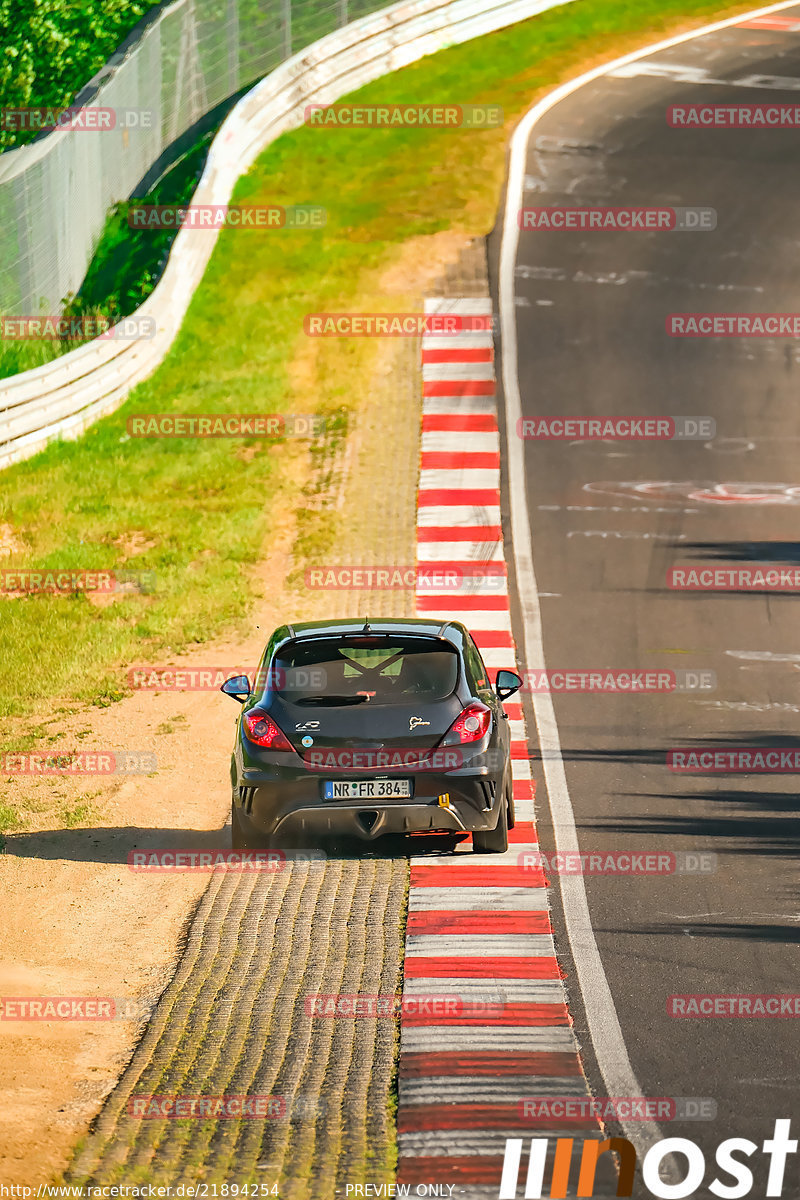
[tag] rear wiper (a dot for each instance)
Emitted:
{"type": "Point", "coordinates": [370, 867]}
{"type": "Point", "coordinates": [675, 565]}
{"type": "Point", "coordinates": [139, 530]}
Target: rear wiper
{"type": "Point", "coordinates": [333, 700]}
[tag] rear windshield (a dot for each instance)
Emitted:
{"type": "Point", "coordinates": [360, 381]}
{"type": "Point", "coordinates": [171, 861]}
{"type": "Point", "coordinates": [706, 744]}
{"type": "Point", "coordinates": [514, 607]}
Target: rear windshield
{"type": "Point", "coordinates": [364, 670]}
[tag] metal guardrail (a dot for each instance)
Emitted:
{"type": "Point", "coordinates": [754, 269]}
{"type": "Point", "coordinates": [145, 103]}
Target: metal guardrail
{"type": "Point", "coordinates": [64, 397]}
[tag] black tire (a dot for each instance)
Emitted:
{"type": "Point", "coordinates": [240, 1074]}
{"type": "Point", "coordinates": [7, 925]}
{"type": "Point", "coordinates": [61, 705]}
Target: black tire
{"type": "Point", "coordinates": [238, 836]}
{"type": "Point", "coordinates": [510, 798]}
{"type": "Point", "coordinates": [493, 841]}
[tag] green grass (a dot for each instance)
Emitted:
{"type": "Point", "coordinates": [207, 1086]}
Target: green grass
{"type": "Point", "coordinates": [8, 820]}
{"type": "Point", "coordinates": [202, 508]}
{"type": "Point", "coordinates": [79, 813]}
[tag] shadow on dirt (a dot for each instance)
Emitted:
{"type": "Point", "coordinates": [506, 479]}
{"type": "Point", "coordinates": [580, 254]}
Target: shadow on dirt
{"type": "Point", "coordinates": [119, 844]}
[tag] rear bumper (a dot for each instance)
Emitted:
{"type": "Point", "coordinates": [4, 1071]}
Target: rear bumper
{"type": "Point", "coordinates": [357, 822]}
{"type": "Point", "coordinates": [275, 808]}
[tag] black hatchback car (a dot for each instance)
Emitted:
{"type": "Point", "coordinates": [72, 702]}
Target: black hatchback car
{"type": "Point", "coordinates": [358, 728]}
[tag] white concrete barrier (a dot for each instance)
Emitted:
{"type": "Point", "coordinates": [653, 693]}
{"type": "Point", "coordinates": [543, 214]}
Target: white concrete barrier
{"type": "Point", "coordinates": [61, 399]}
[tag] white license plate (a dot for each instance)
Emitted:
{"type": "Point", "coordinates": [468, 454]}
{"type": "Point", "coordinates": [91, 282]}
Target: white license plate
{"type": "Point", "coordinates": [367, 789]}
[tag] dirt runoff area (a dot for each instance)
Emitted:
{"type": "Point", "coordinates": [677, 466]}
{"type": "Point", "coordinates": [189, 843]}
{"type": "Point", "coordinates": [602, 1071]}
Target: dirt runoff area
{"type": "Point", "coordinates": [82, 925]}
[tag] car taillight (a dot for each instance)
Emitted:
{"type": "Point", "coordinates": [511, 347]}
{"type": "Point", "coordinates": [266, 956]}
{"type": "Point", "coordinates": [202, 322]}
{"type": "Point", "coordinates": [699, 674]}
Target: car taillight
{"type": "Point", "coordinates": [469, 726]}
{"type": "Point", "coordinates": [262, 730]}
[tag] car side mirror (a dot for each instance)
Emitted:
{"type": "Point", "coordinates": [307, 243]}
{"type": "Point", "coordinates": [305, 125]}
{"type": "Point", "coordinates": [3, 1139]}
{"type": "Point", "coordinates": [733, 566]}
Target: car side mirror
{"type": "Point", "coordinates": [506, 683]}
{"type": "Point", "coordinates": [238, 687]}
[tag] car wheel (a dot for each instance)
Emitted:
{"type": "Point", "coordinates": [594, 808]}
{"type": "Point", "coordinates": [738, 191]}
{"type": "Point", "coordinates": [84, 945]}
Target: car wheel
{"type": "Point", "coordinates": [493, 841]}
{"type": "Point", "coordinates": [510, 800]}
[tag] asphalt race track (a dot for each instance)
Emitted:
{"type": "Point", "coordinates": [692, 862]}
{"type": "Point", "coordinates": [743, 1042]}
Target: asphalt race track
{"type": "Point", "coordinates": [637, 939]}
{"type": "Point", "coordinates": [590, 310]}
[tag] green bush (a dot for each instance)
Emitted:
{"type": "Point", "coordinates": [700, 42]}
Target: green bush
{"type": "Point", "coordinates": [49, 49]}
